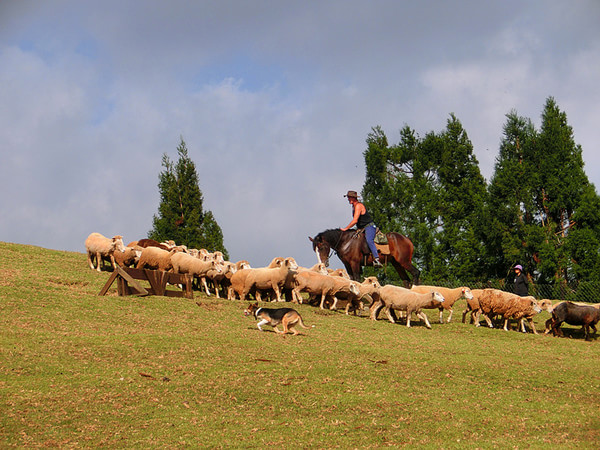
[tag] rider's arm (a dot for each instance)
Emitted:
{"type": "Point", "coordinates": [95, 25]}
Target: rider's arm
{"type": "Point", "coordinates": [358, 210]}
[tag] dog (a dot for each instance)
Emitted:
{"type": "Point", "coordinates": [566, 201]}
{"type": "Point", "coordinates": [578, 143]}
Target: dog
{"type": "Point", "coordinates": [288, 317]}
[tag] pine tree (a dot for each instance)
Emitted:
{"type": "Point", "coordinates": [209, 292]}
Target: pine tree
{"type": "Point", "coordinates": [462, 196]}
{"type": "Point", "coordinates": [510, 206]}
{"type": "Point", "coordinates": [181, 216]}
{"type": "Point", "coordinates": [543, 210]}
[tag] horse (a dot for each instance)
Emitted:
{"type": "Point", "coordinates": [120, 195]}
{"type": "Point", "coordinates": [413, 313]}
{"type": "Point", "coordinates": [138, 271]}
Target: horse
{"type": "Point", "coordinates": [352, 249]}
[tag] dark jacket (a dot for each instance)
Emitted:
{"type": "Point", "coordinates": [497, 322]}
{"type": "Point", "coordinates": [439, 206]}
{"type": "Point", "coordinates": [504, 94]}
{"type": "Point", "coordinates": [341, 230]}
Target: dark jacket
{"type": "Point", "coordinates": [521, 285]}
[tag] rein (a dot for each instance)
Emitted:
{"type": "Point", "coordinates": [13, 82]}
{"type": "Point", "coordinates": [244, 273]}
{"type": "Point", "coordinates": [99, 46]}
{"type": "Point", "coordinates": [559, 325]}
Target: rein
{"type": "Point", "coordinates": [334, 248]}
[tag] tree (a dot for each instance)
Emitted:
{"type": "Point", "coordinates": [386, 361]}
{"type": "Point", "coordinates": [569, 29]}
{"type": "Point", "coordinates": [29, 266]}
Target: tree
{"type": "Point", "coordinates": [181, 216]}
{"type": "Point", "coordinates": [430, 189]}
{"type": "Point", "coordinates": [510, 209]}
{"type": "Point", "coordinates": [543, 210]}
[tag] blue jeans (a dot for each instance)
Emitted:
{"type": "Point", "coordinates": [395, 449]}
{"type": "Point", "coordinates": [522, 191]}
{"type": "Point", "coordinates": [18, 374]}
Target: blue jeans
{"type": "Point", "coordinates": [370, 235]}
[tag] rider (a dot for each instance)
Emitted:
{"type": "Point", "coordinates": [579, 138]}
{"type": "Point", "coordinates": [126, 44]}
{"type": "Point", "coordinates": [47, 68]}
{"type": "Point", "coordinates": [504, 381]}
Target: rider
{"type": "Point", "coordinates": [362, 219]}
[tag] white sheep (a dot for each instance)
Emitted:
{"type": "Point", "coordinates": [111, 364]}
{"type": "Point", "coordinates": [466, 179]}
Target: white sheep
{"type": "Point", "coordinates": [99, 246]}
{"type": "Point", "coordinates": [325, 286]}
{"type": "Point", "coordinates": [198, 268]}
{"type": "Point", "coordinates": [367, 288]}
{"type": "Point", "coordinates": [156, 258]}
{"type": "Point", "coordinates": [451, 295]}
{"type": "Point", "coordinates": [402, 299]}
{"type": "Point", "coordinates": [222, 279]}
{"type": "Point", "coordinates": [268, 278]}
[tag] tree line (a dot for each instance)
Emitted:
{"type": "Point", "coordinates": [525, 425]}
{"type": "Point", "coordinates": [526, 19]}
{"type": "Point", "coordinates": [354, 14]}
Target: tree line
{"type": "Point", "coordinates": [539, 209]}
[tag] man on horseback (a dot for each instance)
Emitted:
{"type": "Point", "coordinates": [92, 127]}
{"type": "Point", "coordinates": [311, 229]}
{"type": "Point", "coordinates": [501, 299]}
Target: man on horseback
{"type": "Point", "coordinates": [363, 220]}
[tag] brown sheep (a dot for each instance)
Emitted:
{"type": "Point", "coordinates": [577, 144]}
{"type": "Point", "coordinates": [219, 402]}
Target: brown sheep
{"type": "Point", "coordinates": [521, 309]}
{"type": "Point", "coordinates": [129, 257]}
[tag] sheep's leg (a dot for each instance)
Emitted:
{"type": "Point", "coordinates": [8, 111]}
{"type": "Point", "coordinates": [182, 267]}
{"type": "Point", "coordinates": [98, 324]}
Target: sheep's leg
{"type": "Point", "coordinates": [424, 318]}
{"type": "Point", "coordinates": [488, 320]}
{"type": "Point", "coordinates": [205, 284]}
{"type": "Point", "coordinates": [374, 309]}
{"type": "Point", "coordinates": [90, 262]}
{"type": "Point", "coordinates": [450, 316]}
{"type": "Point", "coordinates": [322, 306]}
{"type": "Point", "coordinates": [277, 292]}
{"type": "Point", "coordinates": [532, 325]}
{"type": "Point", "coordinates": [334, 304]}
{"type": "Point", "coordinates": [521, 325]}
{"type": "Point", "coordinates": [389, 315]}
{"type": "Point", "coordinates": [505, 328]}
{"type": "Point", "coordinates": [441, 315]}
{"type": "Point", "coordinates": [98, 261]}
{"type": "Point", "coordinates": [548, 324]}
{"type": "Point", "coordinates": [408, 314]}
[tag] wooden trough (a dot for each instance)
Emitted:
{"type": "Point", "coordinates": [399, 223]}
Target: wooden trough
{"type": "Point", "coordinates": [127, 285]}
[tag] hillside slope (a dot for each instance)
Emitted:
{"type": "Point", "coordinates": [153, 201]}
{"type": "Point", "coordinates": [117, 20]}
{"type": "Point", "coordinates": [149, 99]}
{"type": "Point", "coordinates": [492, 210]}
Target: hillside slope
{"type": "Point", "coordinates": [81, 370]}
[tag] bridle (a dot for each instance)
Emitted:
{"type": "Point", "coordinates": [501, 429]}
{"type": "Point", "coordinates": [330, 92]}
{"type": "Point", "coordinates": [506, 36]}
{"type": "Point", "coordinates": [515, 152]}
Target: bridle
{"type": "Point", "coordinates": [332, 249]}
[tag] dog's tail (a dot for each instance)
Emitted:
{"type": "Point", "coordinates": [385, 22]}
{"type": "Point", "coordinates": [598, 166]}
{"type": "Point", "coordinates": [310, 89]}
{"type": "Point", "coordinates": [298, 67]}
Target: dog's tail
{"type": "Point", "coordinates": [301, 322]}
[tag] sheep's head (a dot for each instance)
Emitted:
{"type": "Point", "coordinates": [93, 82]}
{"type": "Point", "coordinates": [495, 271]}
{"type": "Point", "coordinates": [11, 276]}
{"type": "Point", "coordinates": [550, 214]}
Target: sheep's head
{"type": "Point", "coordinates": [321, 268]}
{"type": "Point", "coordinates": [466, 293]}
{"type": "Point", "coordinates": [372, 281]}
{"type": "Point", "coordinates": [290, 263]}
{"type": "Point", "coordinates": [545, 304]}
{"type": "Point", "coordinates": [436, 296]}
{"type": "Point", "coordinates": [117, 244]}
{"type": "Point", "coordinates": [354, 288]}
{"type": "Point", "coordinates": [533, 304]}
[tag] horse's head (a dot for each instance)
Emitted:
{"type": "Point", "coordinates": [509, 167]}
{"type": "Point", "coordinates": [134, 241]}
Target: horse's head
{"type": "Point", "coordinates": [322, 248]}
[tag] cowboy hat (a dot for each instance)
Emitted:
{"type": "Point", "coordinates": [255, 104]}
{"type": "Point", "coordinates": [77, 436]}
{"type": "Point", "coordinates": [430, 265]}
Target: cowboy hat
{"type": "Point", "coordinates": [351, 194]}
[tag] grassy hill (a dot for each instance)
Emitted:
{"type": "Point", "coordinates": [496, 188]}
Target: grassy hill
{"type": "Point", "coordinates": [79, 370]}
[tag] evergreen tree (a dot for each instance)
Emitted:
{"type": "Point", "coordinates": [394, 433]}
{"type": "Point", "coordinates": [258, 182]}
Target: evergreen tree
{"type": "Point", "coordinates": [510, 205]}
{"type": "Point", "coordinates": [181, 216]}
{"type": "Point", "coordinates": [462, 197]}
{"type": "Point", "coordinates": [543, 210]}
{"type": "Point", "coordinates": [559, 188]}
{"type": "Point", "coordinates": [430, 189]}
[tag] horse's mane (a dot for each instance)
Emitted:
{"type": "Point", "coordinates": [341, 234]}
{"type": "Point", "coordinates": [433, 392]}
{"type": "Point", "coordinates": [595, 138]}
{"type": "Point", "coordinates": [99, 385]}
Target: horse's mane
{"type": "Point", "coordinates": [331, 234]}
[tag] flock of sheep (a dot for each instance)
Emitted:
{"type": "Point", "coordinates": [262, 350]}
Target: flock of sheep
{"type": "Point", "coordinates": [283, 279]}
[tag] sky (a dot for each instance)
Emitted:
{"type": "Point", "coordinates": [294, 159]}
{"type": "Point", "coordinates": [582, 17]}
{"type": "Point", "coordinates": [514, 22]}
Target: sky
{"type": "Point", "coordinates": [274, 100]}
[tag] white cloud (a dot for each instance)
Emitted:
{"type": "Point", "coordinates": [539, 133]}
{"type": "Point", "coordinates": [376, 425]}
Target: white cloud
{"type": "Point", "coordinates": [274, 104]}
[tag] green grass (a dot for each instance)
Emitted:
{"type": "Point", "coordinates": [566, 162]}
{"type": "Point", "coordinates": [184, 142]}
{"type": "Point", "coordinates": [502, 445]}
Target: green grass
{"type": "Point", "coordinates": [79, 370]}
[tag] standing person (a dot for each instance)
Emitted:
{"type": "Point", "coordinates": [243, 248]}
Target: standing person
{"type": "Point", "coordinates": [362, 219]}
{"type": "Point", "coordinates": [521, 283]}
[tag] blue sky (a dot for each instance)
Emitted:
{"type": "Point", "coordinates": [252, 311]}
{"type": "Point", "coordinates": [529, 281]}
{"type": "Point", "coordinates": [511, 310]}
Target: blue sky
{"type": "Point", "coordinates": [274, 100]}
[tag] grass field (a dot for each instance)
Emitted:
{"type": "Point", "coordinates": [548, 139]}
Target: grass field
{"type": "Point", "coordinates": [79, 370]}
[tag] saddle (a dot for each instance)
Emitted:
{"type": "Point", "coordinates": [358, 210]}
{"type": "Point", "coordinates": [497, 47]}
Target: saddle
{"type": "Point", "coordinates": [380, 240]}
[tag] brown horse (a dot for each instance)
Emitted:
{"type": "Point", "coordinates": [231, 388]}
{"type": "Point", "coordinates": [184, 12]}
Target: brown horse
{"type": "Point", "coordinates": [352, 249]}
